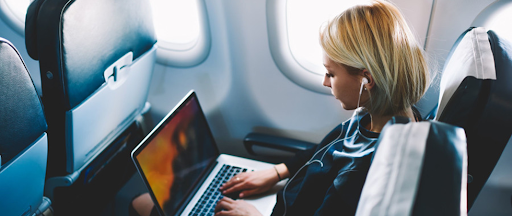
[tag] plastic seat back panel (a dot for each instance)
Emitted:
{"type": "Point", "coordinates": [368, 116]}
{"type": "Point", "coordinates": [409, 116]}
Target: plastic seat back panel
{"type": "Point", "coordinates": [77, 42]}
{"type": "Point", "coordinates": [22, 180]}
{"type": "Point", "coordinates": [103, 116]}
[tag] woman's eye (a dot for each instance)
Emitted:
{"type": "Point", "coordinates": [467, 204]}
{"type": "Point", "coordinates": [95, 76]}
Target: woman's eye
{"type": "Point", "coordinates": [328, 75]}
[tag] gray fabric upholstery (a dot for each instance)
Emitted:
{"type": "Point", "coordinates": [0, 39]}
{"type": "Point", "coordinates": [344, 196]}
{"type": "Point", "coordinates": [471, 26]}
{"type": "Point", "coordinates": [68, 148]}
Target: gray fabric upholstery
{"type": "Point", "coordinates": [481, 106]}
{"type": "Point", "coordinates": [21, 114]}
{"type": "Point", "coordinates": [23, 145]}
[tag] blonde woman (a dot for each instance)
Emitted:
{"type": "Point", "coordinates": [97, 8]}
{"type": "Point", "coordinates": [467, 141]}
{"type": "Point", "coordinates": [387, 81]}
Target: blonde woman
{"type": "Point", "coordinates": [373, 62]}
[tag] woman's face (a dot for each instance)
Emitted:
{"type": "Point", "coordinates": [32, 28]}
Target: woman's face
{"type": "Point", "coordinates": [344, 86]}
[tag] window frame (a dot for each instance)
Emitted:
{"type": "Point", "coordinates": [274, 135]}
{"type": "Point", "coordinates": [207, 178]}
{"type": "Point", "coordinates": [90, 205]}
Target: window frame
{"type": "Point", "coordinates": [293, 69]}
{"type": "Point", "coordinates": [281, 52]}
{"type": "Point", "coordinates": [191, 53]}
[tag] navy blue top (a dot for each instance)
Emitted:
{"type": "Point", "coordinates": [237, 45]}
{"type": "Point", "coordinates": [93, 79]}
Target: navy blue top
{"type": "Point", "coordinates": [328, 179]}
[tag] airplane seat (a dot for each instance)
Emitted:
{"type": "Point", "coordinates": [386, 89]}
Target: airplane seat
{"type": "Point", "coordinates": [476, 91]}
{"type": "Point", "coordinates": [96, 60]}
{"type": "Point", "coordinates": [23, 145]}
{"type": "Point", "coordinates": [418, 168]}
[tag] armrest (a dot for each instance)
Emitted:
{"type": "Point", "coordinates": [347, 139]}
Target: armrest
{"type": "Point", "coordinates": [270, 141]}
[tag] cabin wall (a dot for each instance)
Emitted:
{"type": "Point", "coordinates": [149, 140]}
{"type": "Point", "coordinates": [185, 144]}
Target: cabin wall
{"type": "Point", "coordinates": [240, 87]}
{"type": "Point", "coordinates": [449, 19]}
{"type": "Point", "coordinates": [242, 90]}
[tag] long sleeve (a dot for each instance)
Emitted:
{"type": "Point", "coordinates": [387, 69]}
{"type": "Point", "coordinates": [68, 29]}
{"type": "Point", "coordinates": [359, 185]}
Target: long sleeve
{"type": "Point", "coordinates": [302, 157]}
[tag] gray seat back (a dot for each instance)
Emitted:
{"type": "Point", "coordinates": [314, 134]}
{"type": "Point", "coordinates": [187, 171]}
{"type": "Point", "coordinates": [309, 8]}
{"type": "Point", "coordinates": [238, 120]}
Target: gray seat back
{"type": "Point", "coordinates": [476, 91]}
{"type": "Point", "coordinates": [23, 140]}
{"type": "Point", "coordinates": [419, 168]}
{"type": "Point", "coordinates": [96, 59]}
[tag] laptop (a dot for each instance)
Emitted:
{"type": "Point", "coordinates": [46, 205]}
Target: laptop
{"type": "Point", "coordinates": [182, 168]}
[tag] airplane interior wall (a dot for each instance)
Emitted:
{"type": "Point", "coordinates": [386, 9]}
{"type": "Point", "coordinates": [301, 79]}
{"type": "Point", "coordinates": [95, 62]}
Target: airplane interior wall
{"type": "Point", "coordinates": [241, 90]}
{"type": "Point", "coordinates": [240, 87]}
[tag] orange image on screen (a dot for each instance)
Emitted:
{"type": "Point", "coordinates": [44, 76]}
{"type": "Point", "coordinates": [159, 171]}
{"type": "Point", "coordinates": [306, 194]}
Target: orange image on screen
{"type": "Point", "coordinates": [159, 156]}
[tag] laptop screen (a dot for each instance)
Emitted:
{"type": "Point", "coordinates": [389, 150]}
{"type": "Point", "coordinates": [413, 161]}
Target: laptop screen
{"type": "Point", "coordinates": [174, 155]}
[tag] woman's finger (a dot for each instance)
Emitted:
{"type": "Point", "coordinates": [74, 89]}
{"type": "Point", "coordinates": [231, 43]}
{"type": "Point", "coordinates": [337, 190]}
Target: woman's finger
{"type": "Point", "coordinates": [223, 213]}
{"type": "Point", "coordinates": [227, 199]}
{"type": "Point", "coordinates": [233, 181]}
{"type": "Point", "coordinates": [238, 187]}
{"type": "Point", "coordinates": [224, 204]}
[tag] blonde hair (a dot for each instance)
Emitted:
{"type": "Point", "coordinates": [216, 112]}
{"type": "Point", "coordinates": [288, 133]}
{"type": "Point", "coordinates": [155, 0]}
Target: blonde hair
{"type": "Point", "coordinates": [376, 37]}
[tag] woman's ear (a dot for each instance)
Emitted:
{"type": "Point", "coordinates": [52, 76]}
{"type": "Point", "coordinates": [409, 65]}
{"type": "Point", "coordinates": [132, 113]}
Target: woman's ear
{"type": "Point", "coordinates": [369, 77]}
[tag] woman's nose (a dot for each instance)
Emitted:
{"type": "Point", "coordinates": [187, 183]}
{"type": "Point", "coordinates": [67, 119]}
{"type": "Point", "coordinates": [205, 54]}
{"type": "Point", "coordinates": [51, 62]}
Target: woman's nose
{"type": "Point", "coordinates": [327, 82]}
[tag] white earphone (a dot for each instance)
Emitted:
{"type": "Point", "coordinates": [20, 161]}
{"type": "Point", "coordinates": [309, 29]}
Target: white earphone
{"type": "Point", "coordinates": [364, 81]}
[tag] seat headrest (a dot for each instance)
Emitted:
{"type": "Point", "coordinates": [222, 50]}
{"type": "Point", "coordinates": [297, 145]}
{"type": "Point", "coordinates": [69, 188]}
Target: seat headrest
{"type": "Point", "coordinates": [78, 40]}
{"type": "Point", "coordinates": [22, 119]}
{"type": "Point", "coordinates": [471, 56]}
{"type": "Point", "coordinates": [413, 164]}
{"type": "Point", "coordinates": [31, 28]}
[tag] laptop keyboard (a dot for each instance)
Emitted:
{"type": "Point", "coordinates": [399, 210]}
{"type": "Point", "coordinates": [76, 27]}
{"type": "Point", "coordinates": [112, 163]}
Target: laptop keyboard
{"type": "Point", "coordinates": [205, 206]}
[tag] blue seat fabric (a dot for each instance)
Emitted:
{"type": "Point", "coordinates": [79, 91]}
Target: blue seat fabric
{"type": "Point", "coordinates": [482, 108]}
{"type": "Point", "coordinates": [23, 140]}
{"type": "Point", "coordinates": [75, 42]}
{"type": "Point", "coordinates": [21, 113]}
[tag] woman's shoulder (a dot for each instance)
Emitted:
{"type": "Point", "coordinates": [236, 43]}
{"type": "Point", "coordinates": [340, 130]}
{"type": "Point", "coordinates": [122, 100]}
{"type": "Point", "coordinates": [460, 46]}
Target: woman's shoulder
{"type": "Point", "coordinates": [335, 133]}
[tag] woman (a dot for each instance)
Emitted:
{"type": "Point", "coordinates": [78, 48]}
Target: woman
{"type": "Point", "coordinates": [372, 61]}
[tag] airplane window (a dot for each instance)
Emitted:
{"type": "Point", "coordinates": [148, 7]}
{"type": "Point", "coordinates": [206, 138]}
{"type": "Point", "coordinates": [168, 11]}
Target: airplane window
{"type": "Point", "coordinates": [303, 29]}
{"type": "Point", "coordinates": [176, 21]}
{"type": "Point", "coordinates": [181, 27]}
{"type": "Point", "coordinates": [182, 31]}
{"type": "Point", "coordinates": [294, 27]}
{"type": "Point", "coordinates": [13, 13]}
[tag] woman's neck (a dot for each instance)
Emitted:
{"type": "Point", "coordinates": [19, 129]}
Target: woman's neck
{"type": "Point", "coordinates": [378, 121]}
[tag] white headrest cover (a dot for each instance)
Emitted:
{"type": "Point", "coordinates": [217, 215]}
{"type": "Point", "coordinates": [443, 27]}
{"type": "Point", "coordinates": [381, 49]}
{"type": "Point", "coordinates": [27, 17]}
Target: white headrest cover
{"type": "Point", "coordinates": [393, 181]}
{"type": "Point", "coordinates": [472, 57]}
{"type": "Point", "coordinates": [393, 177]}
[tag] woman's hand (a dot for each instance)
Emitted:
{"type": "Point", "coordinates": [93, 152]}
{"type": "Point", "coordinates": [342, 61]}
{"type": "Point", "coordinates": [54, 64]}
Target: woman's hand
{"type": "Point", "coordinates": [251, 183]}
{"type": "Point", "coordinates": [228, 206]}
